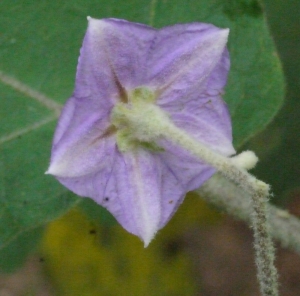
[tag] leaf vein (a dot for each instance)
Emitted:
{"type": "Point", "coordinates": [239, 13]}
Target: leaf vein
{"type": "Point", "coordinates": [27, 129]}
{"type": "Point", "coordinates": [152, 12]}
{"type": "Point", "coordinates": [28, 91]}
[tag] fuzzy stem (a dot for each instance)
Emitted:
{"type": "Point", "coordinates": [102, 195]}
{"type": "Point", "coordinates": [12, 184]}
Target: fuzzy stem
{"type": "Point", "coordinates": [147, 119]}
{"type": "Point", "coordinates": [259, 192]}
{"type": "Point", "coordinates": [226, 196]}
{"type": "Point", "coordinates": [265, 254]}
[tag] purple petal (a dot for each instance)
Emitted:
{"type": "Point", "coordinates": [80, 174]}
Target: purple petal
{"type": "Point", "coordinates": [136, 185]}
{"type": "Point", "coordinates": [106, 65]}
{"type": "Point", "coordinates": [117, 49]}
{"type": "Point", "coordinates": [214, 120]}
{"type": "Point", "coordinates": [181, 74]}
{"type": "Point", "coordinates": [130, 190]}
{"type": "Point", "coordinates": [218, 78]}
{"type": "Point", "coordinates": [189, 172]}
{"type": "Point", "coordinates": [193, 77]}
{"type": "Point", "coordinates": [142, 190]}
{"type": "Point", "coordinates": [82, 143]}
{"type": "Point", "coordinates": [94, 185]}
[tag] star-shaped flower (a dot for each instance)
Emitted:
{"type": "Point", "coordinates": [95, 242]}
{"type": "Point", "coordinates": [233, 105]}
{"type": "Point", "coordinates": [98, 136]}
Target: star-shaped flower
{"type": "Point", "coordinates": [182, 69]}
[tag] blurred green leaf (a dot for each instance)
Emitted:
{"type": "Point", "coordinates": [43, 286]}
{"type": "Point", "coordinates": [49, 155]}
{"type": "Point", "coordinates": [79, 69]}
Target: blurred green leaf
{"type": "Point", "coordinates": [98, 214]}
{"type": "Point", "coordinates": [14, 254]}
{"type": "Point", "coordinates": [39, 47]}
{"type": "Point", "coordinates": [280, 141]}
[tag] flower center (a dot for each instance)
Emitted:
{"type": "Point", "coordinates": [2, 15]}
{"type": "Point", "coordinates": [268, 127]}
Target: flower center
{"type": "Point", "coordinates": [126, 117]}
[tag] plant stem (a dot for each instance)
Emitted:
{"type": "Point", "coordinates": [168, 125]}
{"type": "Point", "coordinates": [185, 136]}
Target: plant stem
{"type": "Point", "coordinates": [148, 119]}
{"type": "Point", "coordinates": [259, 192]}
{"type": "Point", "coordinates": [226, 196]}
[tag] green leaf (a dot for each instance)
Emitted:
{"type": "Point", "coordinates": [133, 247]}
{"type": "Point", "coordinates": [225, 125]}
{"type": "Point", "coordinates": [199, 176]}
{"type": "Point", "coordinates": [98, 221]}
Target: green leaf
{"type": "Point", "coordinates": [39, 48]}
{"type": "Point", "coordinates": [15, 253]}
{"type": "Point", "coordinates": [280, 141]}
{"type": "Point", "coordinates": [98, 214]}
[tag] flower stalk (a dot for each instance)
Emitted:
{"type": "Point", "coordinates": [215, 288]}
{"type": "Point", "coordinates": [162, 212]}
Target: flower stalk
{"type": "Point", "coordinates": [228, 197]}
{"type": "Point", "coordinates": [148, 122]}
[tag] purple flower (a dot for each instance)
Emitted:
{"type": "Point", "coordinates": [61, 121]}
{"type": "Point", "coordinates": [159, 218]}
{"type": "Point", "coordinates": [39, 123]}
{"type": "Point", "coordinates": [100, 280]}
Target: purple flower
{"type": "Point", "coordinates": [182, 69]}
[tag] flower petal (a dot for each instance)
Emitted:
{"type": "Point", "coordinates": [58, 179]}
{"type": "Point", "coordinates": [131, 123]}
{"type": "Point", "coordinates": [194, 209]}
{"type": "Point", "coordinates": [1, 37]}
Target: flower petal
{"type": "Point", "coordinates": [142, 189]}
{"type": "Point", "coordinates": [209, 123]}
{"type": "Point", "coordinates": [181, 73]}
{"type": "Point", "coordinates": [106, 65]}
{"type": "Point", "coordinates": [136, 181]}
{"type": "Point", "coordinates": [149, 187]}
{"type": "Point", "coordinates": [189, 172]}
{"type": "Point", "coordinates": [82, 142]}
{"type": "Point", "coordinates": [122, 46]}
{"type": "Point", "coordinates": [130, 189]}
{"type": "Point", "coordinates": [193, 77]}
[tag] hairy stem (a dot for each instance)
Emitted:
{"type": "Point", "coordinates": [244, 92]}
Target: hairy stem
{"type": "Point", "coordinates": [265, 254]}
{"type": "Point", "coordinates": [144, 119]}
{"type": "Point", "coordinates": [258, 191]}
{"type": "Point", "coordinates": [226, 196]}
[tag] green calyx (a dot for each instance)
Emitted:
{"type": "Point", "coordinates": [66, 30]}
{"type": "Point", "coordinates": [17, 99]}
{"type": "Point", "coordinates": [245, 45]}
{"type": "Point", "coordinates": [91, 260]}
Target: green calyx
{"type": "Point", "coordinates": [125, 117]}
{"type": "Point", "coordinates": [142, 94]}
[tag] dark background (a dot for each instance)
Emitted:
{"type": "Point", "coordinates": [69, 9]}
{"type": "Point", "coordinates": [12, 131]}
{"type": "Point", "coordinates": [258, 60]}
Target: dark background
{"type": "Point", "coordinates": [279, 145]}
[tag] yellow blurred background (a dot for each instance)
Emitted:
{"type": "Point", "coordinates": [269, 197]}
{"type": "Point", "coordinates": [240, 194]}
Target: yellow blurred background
{"type": "Point", "coordinates": [82, 258]}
